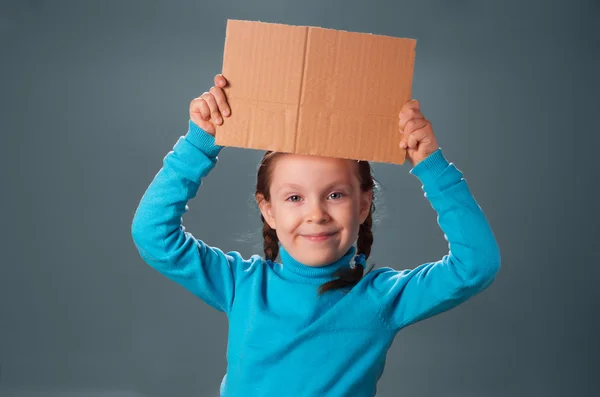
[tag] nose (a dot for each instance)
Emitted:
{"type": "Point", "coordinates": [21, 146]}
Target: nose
{"type": "Point", "coordinates": [317, 213]}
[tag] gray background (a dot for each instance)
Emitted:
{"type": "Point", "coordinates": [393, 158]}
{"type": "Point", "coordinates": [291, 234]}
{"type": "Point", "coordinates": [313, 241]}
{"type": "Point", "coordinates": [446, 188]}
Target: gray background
{"type": "Point", "coordinates": [95, 93]}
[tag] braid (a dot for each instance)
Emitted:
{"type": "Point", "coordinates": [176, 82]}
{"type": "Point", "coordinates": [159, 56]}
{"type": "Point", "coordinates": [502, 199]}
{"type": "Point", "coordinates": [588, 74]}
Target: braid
{"type": "Point", "coordinates": [365, 236]}
{"type": "Point", "coordinates": [349, 277]}
{"type": "Point", "coordinates": [271, 241]}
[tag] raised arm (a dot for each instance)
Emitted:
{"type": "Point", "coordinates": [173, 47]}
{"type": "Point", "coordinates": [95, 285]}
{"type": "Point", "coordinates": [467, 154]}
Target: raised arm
{"type": "Point", "coordinates": [157, 228]}
{"type": "Point", "coordinates": [470, 266]}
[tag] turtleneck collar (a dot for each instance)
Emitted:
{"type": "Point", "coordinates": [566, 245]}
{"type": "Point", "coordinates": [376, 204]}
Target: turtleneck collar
{"type": "Point", "coordinates": [290, 268]}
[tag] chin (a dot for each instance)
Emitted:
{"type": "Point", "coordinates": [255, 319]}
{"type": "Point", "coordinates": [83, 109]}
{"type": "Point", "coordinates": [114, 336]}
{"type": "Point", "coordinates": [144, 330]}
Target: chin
{"type": "Point", "coordinates": [318, 252]}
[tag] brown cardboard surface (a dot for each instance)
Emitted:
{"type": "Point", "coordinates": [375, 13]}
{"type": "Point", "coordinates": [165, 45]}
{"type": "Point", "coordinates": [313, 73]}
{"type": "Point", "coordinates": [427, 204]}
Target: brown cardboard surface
{"type": "Point", "coordinates": [310, 90]}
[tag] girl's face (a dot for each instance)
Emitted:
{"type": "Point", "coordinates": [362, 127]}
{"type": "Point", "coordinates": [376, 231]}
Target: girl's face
{"type": "Point", "coordinates": [316, 206]}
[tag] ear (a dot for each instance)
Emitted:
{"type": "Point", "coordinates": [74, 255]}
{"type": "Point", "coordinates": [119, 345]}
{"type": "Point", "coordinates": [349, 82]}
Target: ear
{"type": "Point", "coordinates": [266, 210]}
{"type": "Point", "coordinates": [366, 198]}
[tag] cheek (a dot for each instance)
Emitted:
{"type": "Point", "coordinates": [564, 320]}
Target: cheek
{"type": "Point", "coordinates": [288, 218]}
{"type": "Point", "coordinates": [347, 213]}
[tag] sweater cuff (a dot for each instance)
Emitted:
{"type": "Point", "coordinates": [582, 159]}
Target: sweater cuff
{"type": "Point", "coordinates": [202, 140]}
{"type": "Point", "coordinates": [429, 168]}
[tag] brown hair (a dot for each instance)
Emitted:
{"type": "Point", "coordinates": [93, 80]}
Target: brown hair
{"type": "Point", "coordinates": [347, 277]}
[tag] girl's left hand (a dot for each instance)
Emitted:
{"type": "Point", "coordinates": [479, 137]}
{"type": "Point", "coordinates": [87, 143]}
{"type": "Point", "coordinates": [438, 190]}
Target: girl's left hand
{"type": "Point", "coordinates": [417, 134]}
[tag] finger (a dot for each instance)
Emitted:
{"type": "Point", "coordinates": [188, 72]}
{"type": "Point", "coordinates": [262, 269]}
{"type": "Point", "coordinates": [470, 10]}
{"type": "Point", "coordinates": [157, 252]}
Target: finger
{"type": "Point", "coordinates": [412, 104]}
{"type": "Point", "coordinates": [204, 109]}
{"type": "Point", "coordinates": [411, 141]}
{"type": "Point", "coordinates": [410, 111]}
{"type": "Point", "coordinates": [220, 81]}
{"type": "Point", "coordinates": [215, 115]}
{"type": "Point", "coordinates": [408, 114]}
{"type": "Point", "coordinates": [199, 106]}
{"type": "Point", "coordinates": [221, 101]}
{"type": "Point", "coordinates": [413, 125]}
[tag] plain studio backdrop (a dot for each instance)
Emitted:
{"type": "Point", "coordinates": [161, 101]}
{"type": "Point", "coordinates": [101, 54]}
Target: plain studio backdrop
{"type": "Point", "coordinates": [95, 94]}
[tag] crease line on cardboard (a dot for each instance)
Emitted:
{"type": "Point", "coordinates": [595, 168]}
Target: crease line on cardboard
{"type": "Point", "coordinates": [301, 89]}
{"type": "Point", "coordinates": [332, 109]}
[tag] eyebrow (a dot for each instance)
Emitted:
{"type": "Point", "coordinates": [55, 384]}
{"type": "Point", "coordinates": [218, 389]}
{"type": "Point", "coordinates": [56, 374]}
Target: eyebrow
{"type": "Point", "coordinates": [293, 186]}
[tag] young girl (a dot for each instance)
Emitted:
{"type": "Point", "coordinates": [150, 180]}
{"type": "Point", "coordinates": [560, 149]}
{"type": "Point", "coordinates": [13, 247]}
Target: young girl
{"type": "Point", "coordinates": [314, 323]}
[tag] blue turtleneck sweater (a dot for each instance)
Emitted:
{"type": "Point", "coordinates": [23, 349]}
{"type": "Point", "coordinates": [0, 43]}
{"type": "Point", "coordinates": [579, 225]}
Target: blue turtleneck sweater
{"type": "Point", "coordinates": [285, 340]}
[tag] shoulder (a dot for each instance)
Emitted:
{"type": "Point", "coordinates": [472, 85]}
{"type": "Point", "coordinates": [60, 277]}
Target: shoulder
{"type": "Point", "coordinates": [384, 279]}
{"type": "Point", "coordinates": [385, 273]}
{"type": "Point", "coordinates": [239, 264]}
{"type": "Point", "coordinates": [245, 266]}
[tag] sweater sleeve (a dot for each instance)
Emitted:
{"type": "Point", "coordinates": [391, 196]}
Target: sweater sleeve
{"type": "Point", "coordinates": [472, 262]}
{"type": "Point", "coordinates": [161, 238]}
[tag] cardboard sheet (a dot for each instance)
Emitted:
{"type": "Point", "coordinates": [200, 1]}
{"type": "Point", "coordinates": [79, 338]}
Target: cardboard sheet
{"type": "Point", "coordinates": [310, 90]}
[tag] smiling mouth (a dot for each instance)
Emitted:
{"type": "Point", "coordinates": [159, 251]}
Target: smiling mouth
{"type": "Point", "coordinates": [318, 236]}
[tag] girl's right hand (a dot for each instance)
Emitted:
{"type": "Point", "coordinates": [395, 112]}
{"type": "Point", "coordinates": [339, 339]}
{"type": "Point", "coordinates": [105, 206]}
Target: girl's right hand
{"type": "Point", "coordinates": [207, 111]}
